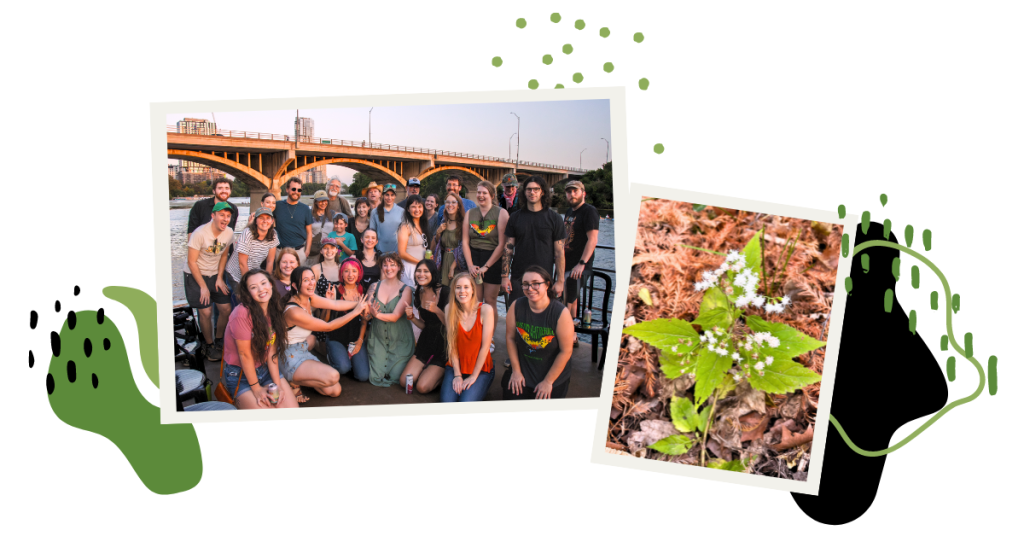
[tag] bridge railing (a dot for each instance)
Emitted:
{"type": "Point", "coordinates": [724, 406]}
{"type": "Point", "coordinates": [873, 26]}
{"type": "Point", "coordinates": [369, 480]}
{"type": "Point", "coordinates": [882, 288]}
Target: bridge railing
{"type": "Point", "coordinates": [365, 145]}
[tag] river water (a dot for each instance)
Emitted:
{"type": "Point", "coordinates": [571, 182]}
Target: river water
{"type": "Point", "coordinates": [603, 258]}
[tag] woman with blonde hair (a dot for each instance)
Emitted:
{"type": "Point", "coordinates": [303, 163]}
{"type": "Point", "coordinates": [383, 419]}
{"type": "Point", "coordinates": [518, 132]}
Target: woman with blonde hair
{"type": "Point", "coordinates": [470, 326]}
{"type": "Point", "coordinates": [483, 242]}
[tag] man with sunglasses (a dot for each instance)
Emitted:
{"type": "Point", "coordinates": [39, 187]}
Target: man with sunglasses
{"type": "Point", "coordinates": [411, 188]}
{"type": "Point", "coordinates": [294, 221]}
{"type": "Point", "coordinates": [534, 235]}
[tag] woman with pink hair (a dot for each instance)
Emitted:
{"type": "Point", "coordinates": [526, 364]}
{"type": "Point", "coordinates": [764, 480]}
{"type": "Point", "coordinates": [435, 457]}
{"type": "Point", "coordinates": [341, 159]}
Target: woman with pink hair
{"type": "Point", "coordinates": [345, 349]}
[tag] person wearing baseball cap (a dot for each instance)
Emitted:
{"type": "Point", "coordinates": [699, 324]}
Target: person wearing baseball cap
{"type": "Point", "coordinates": [373, 192]}
{"type": "Point", "coordinates": [412, 187]}
{"type": "Point", "coordinates": [509, 189]}
{"type": "Point", "coordinates": [346, 241]}
{"type": "Point", "coordinates": [257, 243]}
{"type": "Point", "coordinates": [386, 219]}
{"type": "Point", "coordinates": [202, 210]}
{"type": "Point", "coordinates": [581, 230]}
{"type": "Point", "coordinates": [204, 275]}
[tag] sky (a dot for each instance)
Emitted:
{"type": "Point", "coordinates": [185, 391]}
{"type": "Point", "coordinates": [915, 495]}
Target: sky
{"type": "Point", "coordinates": [553, 132]}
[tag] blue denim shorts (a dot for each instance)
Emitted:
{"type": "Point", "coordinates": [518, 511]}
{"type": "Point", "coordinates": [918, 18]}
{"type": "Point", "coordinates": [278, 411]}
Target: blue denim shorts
{"type": "Point", "coordinates": [295, 355]}
{"type": "Point", "coordinates": [233, 373]}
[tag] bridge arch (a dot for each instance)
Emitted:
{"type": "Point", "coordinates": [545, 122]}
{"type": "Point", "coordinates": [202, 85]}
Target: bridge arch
{"type": "Point", "coordinates": [249, 175]}
{"type": "Point", "coordinates": [373, 169]}
{"type": "Point", "coordinates": [469, 177]}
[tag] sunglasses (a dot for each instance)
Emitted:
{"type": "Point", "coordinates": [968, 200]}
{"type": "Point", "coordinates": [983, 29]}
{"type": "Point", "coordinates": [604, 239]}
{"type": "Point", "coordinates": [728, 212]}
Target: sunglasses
{"type": "Point", "coordinates": [294, 189]}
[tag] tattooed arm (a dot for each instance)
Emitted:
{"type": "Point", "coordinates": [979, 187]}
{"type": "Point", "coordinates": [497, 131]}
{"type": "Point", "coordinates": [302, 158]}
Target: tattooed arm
{"type": "Point", "coordinates": [559, 267]}
{"type": "Point", "coordinates": [506, 264]}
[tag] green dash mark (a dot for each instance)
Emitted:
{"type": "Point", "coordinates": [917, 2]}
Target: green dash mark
{"type": "Point", "coordinates": [968, 344]}
{"type": "Point", "coordinates": [908, 233]}
{"type": "Point", "coordinates": [926, 237]}
{"type": "Point", "coordinates": [520, 23]}
{"type": "Point", "coordinates": [605, 32]}
{"type": "Point", "coordinates": [865, 262]}
{"type": "Point", "coordinates": [912, 321]}
{"type": "Point", "coordinates": [849, 285]}
{"type": "Point", "coordinates": [993, 379]}
{"type": "Point", "coordinates": [842, 211]}
{"type": "Point", "coordinates": [644, 84]}
{"type": "Point", "coordinates": [956, 303]}
{"type": "Point", "coordinates": [915, 276]}
{"type": "Point", "coordinates": [951, 368]}
{"type": "Point", "coordinates": [846, 244]}
{"type": "Point", "coordinates": [659, 148]}
{"type": "Point", "coordinates": [888, 300]}
{"type": "Point", "coordinates": [944, 343]}
{"type": "Point", "coordinates": [555, 17]}
{"type": "Point", "coordinates": [886, 227]}
{"type": "Point", "coordinates": [580, 24]}
{"type": "Point", "coordinates": [865, 221]}
{"type": "Point", "coordinates": [884, 199]}
{"type": "Point", "coordinates": [896, 268]}
{"type": "Point", "coordinates": [935, 300]}
{"type": "Point", "coordinates": [567, 49]}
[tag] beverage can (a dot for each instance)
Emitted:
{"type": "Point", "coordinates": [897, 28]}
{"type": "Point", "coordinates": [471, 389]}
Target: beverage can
{"type": "Point", "coordinates": [274, 391]}
{"type": "Point", "coordinates": [408, 384]}
{"type": "Point", "coordinates": [351, 348]}
{"type": "Point", "coordinates": [428, 255]}
{"type": "Point", "coordinates": [587, 317]}
{"type": "Point", "coordinates": [479, 279]}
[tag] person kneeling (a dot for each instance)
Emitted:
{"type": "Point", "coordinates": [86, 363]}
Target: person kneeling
{"type": "Point", "coordinates": [539, 329]}
{"type": "Point", "coordinates": [470, 325]}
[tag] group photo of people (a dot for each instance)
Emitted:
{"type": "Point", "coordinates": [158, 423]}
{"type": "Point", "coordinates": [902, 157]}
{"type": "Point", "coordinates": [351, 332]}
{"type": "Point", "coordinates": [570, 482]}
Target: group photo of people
{"type": "Point", "coordinates": [452, 289]}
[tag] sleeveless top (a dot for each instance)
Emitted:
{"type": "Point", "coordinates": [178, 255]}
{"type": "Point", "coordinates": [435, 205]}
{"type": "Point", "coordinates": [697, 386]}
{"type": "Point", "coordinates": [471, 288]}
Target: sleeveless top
{"type": "Point", "coordinates": [416, 247]}
{"type": "Point", "coordinates": [295, 333]}
{"type": "Point", "coordinates": [536, 341]}
{"type": "Point", "coordinates": [468, 345]}
{"type": "Point", "coordinates": [483, 229]}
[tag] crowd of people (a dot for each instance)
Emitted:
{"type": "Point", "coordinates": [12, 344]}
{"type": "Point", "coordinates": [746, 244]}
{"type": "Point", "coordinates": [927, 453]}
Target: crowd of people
{"type": "Point", "coordinates": [390, 290]}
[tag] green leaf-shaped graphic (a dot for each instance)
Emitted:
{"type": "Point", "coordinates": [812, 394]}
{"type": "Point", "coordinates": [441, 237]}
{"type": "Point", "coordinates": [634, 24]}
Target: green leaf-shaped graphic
{"type": "Point", "coordinates": [665, 334]}
{"type": "Point", "coordinates": [674, 445]}
{"type": "Point", "coordinates": [711, 369]}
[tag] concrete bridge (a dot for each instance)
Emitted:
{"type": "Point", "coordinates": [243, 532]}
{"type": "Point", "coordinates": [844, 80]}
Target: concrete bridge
{"type": "Point", "coordinates": [267, 161]}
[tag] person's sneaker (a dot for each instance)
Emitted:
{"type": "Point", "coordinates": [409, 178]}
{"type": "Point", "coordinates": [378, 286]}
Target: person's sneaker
{"type": "Point", "coordinates": [212, 354]}
{"type": "Point", "coordinates": [508, 362]}
{"type": "Point", "coordinates": [219, 343]}
{"type": "Point", "coordinates": [492, 347]}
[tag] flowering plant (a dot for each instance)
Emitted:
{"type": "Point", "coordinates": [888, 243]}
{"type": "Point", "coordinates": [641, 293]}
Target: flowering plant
{"type": "Point", "coordinates": [726, 345]}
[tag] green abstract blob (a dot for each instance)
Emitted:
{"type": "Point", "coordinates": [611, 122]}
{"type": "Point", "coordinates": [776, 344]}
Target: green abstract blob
{"type": "Point", "coordinates": [644, 84]}
{"type": "Point", "coordinates": [166, 457]}
{"type": "Point", "coordinates": [912, 321]}
{"type": "Point", "coordinates": [533, 84]}
{"type": "Point", "coordinates": [143, 308]}
{"type": "Point", "coordinates": [865, 262]}
{"type": "Point", "coordinates": [956, 303]}
{"type": "Point", "coordinates": [846, 244]}
{"type": "Point", "coordinates": [849, 285]}
{"type": "Point", "coordinates": [944, 343]}
{"type": "Point", "coordinates": [926, 238]}
{"type": "Point", "coordinates": [559, 86]}
{"type": "Point", "coordinates": [547, 59]}
{"type": "Point", "coordinates": [969, 344]}
{"type": "Point", "coordinates": [496, 61]}
{"type": "Point", "coordinates": [884, 199]}
{"type": "Point", "coordinates": [993, 377]}
{"type": "Point", "coordinates": [951, 368]}
{"type": "Point", "coordinates": [580, 24]}
{"type": "Point", "coordinates": [935, 300]}
{"type": "Point", "coordinates": [915, 276]}
{"type": "Point", "coordinates": [886, 228]}
{"type": "Point", "coordinates": [909, 235]}
{"type": "Point", "coordinates": [567, 49]}
{"type": "Point", "coordinates": [889, 294]}
{"type": "Point", "coordinates": [608, 67]}
{"type": "Point", "coordinates": [578, 77]}
{"type": "Point", "coordinates": [842, 211]}
{"type": "Point", "coordinates": [659, 148]}
{"type": "Point", "coordinates": [638, 37]}
{"type": "Point", "coordinates": [865, 221]}
{"type": "Point", "coordinates": [520, 23]}
{"type": "Point", "coordinates": [896, 268]}
{"type": "Point", "coordinates": [605, 32]}
{"type": "Point", "coordinates": [555, 17]}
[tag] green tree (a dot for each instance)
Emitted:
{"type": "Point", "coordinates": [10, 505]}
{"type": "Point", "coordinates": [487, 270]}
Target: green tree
{"type": "Point", "coordinates": [239, 188]}
{"type": "Point", "coordinates": [359, 181]}
{"type": "Point", "coordinates": [175, 188]}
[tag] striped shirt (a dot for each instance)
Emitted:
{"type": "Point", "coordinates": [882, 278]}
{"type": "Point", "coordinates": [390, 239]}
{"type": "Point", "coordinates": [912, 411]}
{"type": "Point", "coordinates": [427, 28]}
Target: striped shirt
{"type": "Point", "coordinates": [257, 251]}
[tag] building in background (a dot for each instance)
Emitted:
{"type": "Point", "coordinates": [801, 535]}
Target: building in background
{"type": "Point", "coordinates": [304, 132]}
{"type": "Point", "coordinates": [192, 172]}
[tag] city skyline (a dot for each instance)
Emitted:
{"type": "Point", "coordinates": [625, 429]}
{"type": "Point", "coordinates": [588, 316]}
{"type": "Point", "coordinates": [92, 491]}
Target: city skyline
{"type": "Point", "coordinates": [553, 132]}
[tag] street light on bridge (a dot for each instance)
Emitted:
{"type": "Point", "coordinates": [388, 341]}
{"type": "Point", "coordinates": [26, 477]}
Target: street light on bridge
{"type": "Point", "coordinates": [514, 134]}
{"type": "Point", "coordinates": [518, 139]}
{"type": "Point", "coordinates": [371, 125]}
{"type": "Point", "coordinates": [607, 148]}
{"type": "Point", "coordinates": [581, 158]}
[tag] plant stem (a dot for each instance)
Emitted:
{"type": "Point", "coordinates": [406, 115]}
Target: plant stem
{"type": "Point", "coordinates": [707, 426]}
{"type": "Point", "coordinates": [704, 250]}
{"type": "Point", "coordinates": [764, 273]}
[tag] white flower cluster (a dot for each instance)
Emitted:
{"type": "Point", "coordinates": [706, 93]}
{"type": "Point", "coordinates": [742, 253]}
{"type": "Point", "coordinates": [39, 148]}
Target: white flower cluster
{"type": "Point", "coordinates": [777, 307]}
{"type": "Point", "coordinates": [719, 346]}
{"type": "Point", "coordinates": [745, 280]}
{"type": "Point", "coordinates": [760, 339]}
{"type": "Point", "coordinates": [733, 261]}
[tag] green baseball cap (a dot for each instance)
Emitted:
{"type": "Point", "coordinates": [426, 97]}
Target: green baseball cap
{"type": "Point", "coordinates": [390, 186]}
{"type": "Point", "coordinates": [223, 205]}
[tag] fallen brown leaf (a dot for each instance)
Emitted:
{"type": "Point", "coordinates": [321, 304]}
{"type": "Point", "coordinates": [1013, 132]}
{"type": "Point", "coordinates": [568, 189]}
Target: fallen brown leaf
{"type": "Point", "coordinates": [790, 440]}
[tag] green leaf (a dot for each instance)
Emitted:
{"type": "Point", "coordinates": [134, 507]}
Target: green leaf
{"type": "Point", "coordinates": [645, 296]}
{"type": "Point", "coordinates": [738, 466]}
{"type": "Point", "coordinates": [752, 255]}
{"type": "Point", "coordinates": [727, 386]}
{"type": "Point", "coordinates": [698, 207]}
{"type": "Point", "coordinates": [684, 415]}
{"type": "Point", "coordinates": [714, 310]}
{"type": "Point", "coordinates": [665, 334]}
{"type": "Point", "coordinates": [711, 369]}
{"type": "Point", "coordinates": [792, 342]}
{"type": "Point", "coordinates": [704, 415]}
{"type": "Point", "coordinates": [671, 365]}
{"type": "Point", "coordinates": [784, 376]}
{"type": "Point", "coordinates": [674, 445]}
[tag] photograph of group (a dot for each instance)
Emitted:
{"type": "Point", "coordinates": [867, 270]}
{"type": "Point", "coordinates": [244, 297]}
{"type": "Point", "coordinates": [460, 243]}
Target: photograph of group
{"type": "Point", "coordinates": [390, 254]}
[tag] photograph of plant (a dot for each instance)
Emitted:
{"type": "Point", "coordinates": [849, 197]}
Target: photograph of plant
{"type": "Point", "coordinates": [724, 341]}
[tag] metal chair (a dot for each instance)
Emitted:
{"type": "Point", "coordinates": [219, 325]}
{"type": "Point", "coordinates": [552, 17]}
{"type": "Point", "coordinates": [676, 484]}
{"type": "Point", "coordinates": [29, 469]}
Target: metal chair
{"type": "Point", "coordinates": [598, 329]}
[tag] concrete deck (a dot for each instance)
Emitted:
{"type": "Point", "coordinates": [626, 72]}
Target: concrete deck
{"type": "Point", "coordinates": [585, 381]}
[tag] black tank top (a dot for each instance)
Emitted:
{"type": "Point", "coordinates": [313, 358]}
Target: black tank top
{"type": "Point", "coordinates": [537, 342]}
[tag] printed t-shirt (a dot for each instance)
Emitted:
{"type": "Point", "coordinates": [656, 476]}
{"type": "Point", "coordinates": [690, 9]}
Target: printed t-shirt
{"type": "Point", "coordinates": [535, 234]}
{"type": "Point", "coordinates": [536, 341]}
{"type": "Point", "coordinates": [290, 221]}
{"type": "Point", "coordinates": [483, 228]}
{"type": "Point", "coordinates": [577, 223]}
{"type": "Point", "coordinates": [240, 329]}
{"type": "Point", "coordinates": [211, 246]}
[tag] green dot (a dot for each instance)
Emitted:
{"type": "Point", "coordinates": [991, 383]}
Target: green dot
{"type": "Point", "coordinates": [566, 49]}
{"type": "Point", "coordinates": [555, 17]}
{"type": "Point", "coordinates": [638, 37]}
{"type": "Point", "coordinates": [644, 84]}
{"type": "Point", "coordinates": [534, 84]}
{"type": "Point", "coordinates": [605, 32]}
{"type": "Point", "coordinates": [547, 59]}
{"type": "Point", "coordinates": [578, 77]}
{"type": "Point", "coordinates": [659, 148]}
{"type": "Point", "coordinates": [496, 61]}
{"type": "Point", "coordinates": [521, 23]}
{"type": "Point", "coordinates": [559, 86]}
{"type": "Point", "coordinates": [580, 24]}
{"type": "Point", "coordinates": [608, 67]}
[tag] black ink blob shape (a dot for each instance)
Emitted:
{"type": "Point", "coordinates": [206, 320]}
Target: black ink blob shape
{"type": "Point", "coordinates": [31, 359]}
{"type": "Point", "coordinates": [55, 343]}
{"type": "Point", "coordinates": [72, 319]}
{"type": "Point", "coordinates": [106, 344]}
{"type": "Point", "coordinates": [33, 319]}
{"type": "Point", "coordinates": [56, 306]}
{"type": "Point", "coordinates": [72, 371]}
{"type": "Point", "coordinates": [872, 340]}
{"type": "Point", "coordinates": [95, 381]}
{"type": "Point", "coordinates": [99, 316]}
{"type": "Point", "coordinates": [77, 290]}
{"type": "Point", "coordinates": [88, 348]}
{"type": "Point", "coordinates": [49, 383]}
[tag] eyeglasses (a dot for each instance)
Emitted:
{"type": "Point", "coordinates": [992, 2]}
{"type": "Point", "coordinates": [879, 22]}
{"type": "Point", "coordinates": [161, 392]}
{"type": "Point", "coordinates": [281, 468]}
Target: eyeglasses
{"type": "Point", "coordinates": [535, 285]}
{"type": "Point", "coordinates": [294, 189]}
{"type": "Point", "coordinates": [534, 189]}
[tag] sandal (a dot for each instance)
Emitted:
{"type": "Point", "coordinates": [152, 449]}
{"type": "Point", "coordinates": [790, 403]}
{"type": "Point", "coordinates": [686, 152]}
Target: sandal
{"type": "Point", "coordinates": [299, 397]}
{"type": "Point", "coordinates": [575, 342]}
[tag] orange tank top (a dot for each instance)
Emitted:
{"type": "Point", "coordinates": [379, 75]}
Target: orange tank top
{"type": "Point", "coordinates": [468, 345]}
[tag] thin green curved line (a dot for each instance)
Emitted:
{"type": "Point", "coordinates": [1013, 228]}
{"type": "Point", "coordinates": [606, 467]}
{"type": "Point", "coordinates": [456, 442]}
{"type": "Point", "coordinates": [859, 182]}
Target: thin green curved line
{"type": "Point", "coordinates": [952, 341]}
